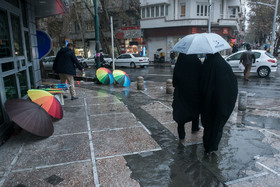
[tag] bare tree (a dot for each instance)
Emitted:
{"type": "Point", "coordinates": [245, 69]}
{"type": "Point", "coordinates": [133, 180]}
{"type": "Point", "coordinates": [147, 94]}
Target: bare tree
{"type": "Point", "coordinates": [260, 22]}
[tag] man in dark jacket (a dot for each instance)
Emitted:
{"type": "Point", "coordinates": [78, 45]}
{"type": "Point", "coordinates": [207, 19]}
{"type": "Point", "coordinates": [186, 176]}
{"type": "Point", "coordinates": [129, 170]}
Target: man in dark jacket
{"type": "Point", "coordinates": [247, 58]}
{"type": "Point", "coordinates": [186, 100]}
{"type": "Point", "coordinates": [218, 96]}
{"type": "Point", "coordinates": [65, 65]}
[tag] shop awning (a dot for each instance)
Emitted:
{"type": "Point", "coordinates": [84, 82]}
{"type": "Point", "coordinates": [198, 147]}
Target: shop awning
{"type": "Point", "coordinates": [45, 8]}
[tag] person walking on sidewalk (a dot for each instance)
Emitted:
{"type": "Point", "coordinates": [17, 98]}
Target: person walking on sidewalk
{"type": "Point", "coordinates": [64, 65]}
{"type": "Point", "coordinates": [186, 99]}
{"type": "Point", "coordinates": [247, 58]}
{"type": "Point", "coordinates": [219, 90]}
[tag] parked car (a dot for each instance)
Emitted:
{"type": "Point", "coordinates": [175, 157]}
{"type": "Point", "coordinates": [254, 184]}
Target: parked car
{"type": "Point", "coordinates": [48, 62]}
{"type": "Point", "coordinates": [91, 61]}
{"type": "Point", "coordinates": [131, 60]}
{"type": "Point", "coordinates": [264, 65]}
{"type": "Point", "coordinates": [80, 59]}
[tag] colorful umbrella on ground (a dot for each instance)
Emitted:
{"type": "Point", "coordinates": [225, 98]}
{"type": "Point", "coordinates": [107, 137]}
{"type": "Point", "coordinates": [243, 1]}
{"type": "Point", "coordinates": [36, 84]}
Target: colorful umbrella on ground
{"type": "Point", "coordinates": [121, 77]}
{"type": "Point", "coordinates": [47, 101]}
{"type": "Point", "coordinates": [30, 116]}
{"type": "Point", "coordinates": [104, 76]}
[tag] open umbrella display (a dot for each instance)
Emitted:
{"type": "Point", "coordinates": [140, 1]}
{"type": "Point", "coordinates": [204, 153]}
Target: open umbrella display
{"type": "Point", "coordinates": [30, 116]}
{"type": "Point", "coordinates": [104, 75]}
{"type": "Point", "coordinates": [47, 101]}
{"type": "Point", "coordinates": [121, 77]}
{"type": "Point", "coordinates": [203, 43]}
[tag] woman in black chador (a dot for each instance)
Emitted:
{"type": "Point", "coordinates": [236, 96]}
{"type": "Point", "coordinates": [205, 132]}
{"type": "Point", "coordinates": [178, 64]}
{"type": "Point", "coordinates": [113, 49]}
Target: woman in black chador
{"type": "Point", "coordinates": [218, 96]}
{"type": "Point", "coordinates": [186, 78]}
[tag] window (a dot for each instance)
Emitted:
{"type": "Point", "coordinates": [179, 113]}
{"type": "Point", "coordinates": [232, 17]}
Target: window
{"type": "Point", "coordinates": [13, 2]}
{"type": "Point", "coordinates": [148, 12]}
{"type": "Point", "coordinates": [152, 11]}
{"type": "Point", "coordinates": [235, 57]}
{"type": "Point", "coordinates": [10, 87]}
{"type": "Point", "coordinates": [162, 10]}
{"type": "Point", "coordinates": [17, 35]}
{"type": "Point", "coordinates": [31, 76]}
{"type": "Point", "coordinates": [183, 10]}
{"type": "Point", "coordinates": [5, 42]}
{"type": "Point", "coordinates": [23, 83]}
{"type": "Point", "coordinates": [143, 12]}
{"type": "Point", "coordinates": [166, 10]}
{"type": "Point", "coordinates": [24, 13]}
{"type": "Point", "coordinates": [8, 66]}
{"type": "Point", "coordinates": [1, 114]}
{"type": "Point", "coordinates": [89, 26]}
{"type": "Point", "coordinates": [27, 43]}
{"type": "Point", "coordinates": [232, 12]}
{"type": "Point", "coordinates": [202, 10]}
{"type": "Point", "coordinates": [157, 11]}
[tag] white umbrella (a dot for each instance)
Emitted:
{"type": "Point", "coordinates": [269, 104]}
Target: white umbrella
{"type": "Point", "coordinates": [204, 43]}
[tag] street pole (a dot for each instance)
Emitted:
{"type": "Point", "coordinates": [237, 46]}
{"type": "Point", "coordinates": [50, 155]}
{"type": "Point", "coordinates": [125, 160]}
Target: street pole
{"type": "Point", "coordinates": [112, 38]}
{"type": "Point", "coordinates": [273, 27]}
{"type": "Point", "coordinates": [210, 16]}
{"type": "Point", "coordinates": [97, 42]}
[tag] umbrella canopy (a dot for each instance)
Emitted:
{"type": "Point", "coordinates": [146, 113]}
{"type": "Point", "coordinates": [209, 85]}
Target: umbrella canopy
{"type": "Point", "coordinates": [121, 77]}
{"type": "Point", "coordinates": [47, 101]}
{"type": "Point", "coordinates": [30, 116]}
{"type": "Point", "coordinates": [203, 43]}
{"type": "Point", "coordinates": [104, 76]}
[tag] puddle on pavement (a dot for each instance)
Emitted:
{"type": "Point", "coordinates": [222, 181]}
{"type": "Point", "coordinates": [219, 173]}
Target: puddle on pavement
{"type": "Point", "coordinates": [262, 121]}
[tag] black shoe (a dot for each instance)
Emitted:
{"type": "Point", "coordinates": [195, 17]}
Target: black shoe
{"type": "Point", "coordinates": [194, 130]}
{"type": "Point", "coordinates": [73, 98]}
{"type": "Point", "coordinates": [65, 96]}
{"type": "Point", "coordinates": [181, 132]}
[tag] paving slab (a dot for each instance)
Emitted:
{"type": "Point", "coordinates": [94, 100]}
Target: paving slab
{"type": "Point", "coordinates": [113, 121]}
{"type": "Point", "coordinates": [122, 142]}
{"type": "Point", "coordinates": [119, 172]}
{"type": "Point", "coordinates": [68, 125]}
{"type": "Point", "coordinates": [107, 109]}
{"type": "Point", "coordinates": [54, 150]}
{"type": "Point", "coordinates": [73, 174]}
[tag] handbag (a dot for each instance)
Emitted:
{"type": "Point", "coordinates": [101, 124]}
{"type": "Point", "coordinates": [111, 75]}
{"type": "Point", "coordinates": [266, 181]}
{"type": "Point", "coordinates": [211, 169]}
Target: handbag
{"type": "Point", "coordinates": [241, 66]}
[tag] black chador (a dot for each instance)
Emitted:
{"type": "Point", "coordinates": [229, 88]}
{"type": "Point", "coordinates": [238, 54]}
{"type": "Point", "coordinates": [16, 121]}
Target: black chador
{"type": "Point", "coordinates": [218, 96]}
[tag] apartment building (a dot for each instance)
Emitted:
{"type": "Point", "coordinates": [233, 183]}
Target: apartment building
{"type": "Point", "coordinates": [165, 22]}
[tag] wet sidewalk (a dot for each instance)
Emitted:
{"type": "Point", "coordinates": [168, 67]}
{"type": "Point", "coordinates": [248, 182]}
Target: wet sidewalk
{"type": "Point", "coordinates": [114, 136]}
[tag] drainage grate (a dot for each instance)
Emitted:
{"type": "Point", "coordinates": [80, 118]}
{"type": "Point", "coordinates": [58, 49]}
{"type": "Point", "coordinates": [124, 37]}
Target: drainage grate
{"type": "Point", "coordinates": [54, 179]}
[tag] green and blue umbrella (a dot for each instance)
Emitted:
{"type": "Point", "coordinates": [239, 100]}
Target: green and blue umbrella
{"type": "Point", "coordinates": [121, 77]}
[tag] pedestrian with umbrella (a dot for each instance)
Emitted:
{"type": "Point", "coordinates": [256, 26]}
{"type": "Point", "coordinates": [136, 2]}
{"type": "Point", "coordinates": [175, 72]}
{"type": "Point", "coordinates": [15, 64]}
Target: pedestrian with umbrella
{"type": "Point", "coordinates": [186, 78]}
{"type": "Point", "coordinates": [218, 85]}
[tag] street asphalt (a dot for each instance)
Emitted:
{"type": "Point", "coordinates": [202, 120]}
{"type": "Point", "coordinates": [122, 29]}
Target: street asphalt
{"type": "Point", "coordinates": [116, 136]}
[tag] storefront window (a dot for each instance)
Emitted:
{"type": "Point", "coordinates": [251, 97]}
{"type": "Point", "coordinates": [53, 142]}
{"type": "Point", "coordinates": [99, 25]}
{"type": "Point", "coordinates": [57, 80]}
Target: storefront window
{"type": "Point", "coordinates": [10, 87]}
{"type": "Point", "coordinates": [24, 14]}
{"type": "Point", "coordinates": [17, 35]}
{"type": "Point", "coordinates": [1, 115]}
{"type": "Point", "coordinates": [31, 76]}
{"type": "Point", "coordinates": [8, 66]}
{"type": "Point", "coordinates": [5, 43]}
{"type": "Point", "coordinates": [23, 83]}
{"type": "Point", "coordinates": [13, 2]}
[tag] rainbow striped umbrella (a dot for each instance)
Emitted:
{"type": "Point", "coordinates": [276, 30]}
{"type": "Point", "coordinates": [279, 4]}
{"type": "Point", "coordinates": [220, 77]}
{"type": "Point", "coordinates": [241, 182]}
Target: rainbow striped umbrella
{"type": "Point", "coordinates": [47, 101]}
{"type": "Point", "coordinates": [121, 77]}
{"type": "Point", "coordinates": [104, 76]}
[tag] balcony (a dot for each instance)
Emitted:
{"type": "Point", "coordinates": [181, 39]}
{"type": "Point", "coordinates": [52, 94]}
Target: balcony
{"type": "Point", "coordinates": [154, 2]}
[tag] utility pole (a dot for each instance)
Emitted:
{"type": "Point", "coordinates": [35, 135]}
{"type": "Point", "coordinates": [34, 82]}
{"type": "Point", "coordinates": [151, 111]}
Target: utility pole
{"type": "Point", "coordinates": [210, 16]}
{"type": "Point", "coordinates": [112, 38]}
{"type": "Point", "coordinates": [273, 27]}
{"type": "Point", "coordinates": [97, 41]}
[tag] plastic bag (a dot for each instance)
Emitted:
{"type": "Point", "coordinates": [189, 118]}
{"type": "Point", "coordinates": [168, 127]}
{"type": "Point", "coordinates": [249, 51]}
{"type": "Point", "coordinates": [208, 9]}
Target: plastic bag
{"type": "Point", "coordinates": [241, 67]}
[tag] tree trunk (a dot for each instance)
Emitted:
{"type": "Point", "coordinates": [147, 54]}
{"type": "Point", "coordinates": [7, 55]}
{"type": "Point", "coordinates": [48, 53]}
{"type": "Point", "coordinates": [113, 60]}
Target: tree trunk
{"type": "Point", "coordinates": [80, 26]}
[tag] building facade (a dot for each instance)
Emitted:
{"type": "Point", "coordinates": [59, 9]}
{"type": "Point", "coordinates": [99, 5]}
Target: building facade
{"type": "Point", "coordinates": [19, 63]}
{"type": "Point", "coordinates": [164, 22]}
